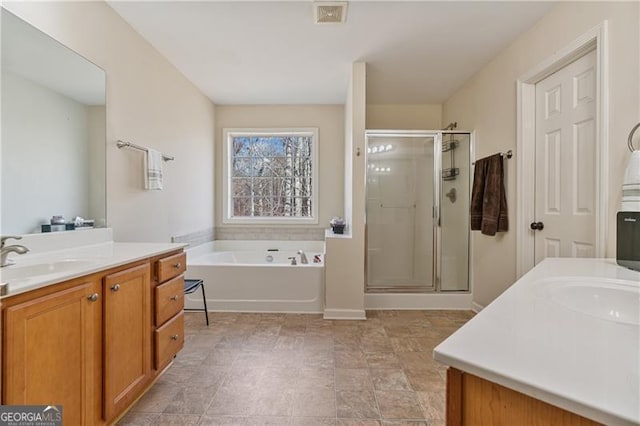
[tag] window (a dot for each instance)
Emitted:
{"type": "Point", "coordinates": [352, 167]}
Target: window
{"type": "Point", "coordinates": [270, 175]}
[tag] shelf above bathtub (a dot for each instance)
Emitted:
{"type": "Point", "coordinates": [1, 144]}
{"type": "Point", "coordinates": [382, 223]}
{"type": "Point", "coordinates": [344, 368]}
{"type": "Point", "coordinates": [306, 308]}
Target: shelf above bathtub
{"type": "Point", "coordinates": [328, 233]}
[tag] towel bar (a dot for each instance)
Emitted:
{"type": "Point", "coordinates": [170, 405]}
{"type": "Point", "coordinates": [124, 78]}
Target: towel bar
{"type": "Point", "coordinates": [508, 155]}
{"type": "Point", "coordinates": [121, 144]}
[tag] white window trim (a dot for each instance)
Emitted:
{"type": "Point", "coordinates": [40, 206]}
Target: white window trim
{"type": "Point", "coordinates": [227, 206]}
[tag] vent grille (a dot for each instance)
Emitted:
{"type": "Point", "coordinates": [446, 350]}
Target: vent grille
{"type": "Point", "coordinates": [330, 12]}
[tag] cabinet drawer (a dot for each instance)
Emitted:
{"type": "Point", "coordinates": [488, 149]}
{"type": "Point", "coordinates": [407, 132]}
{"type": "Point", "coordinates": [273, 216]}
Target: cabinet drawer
{"type": "Point", "coordinates": [171, 266]}
{"type": "Point", "coordinates": [169, 339]}
{"type": "Point", "coordinates": [169, 299]}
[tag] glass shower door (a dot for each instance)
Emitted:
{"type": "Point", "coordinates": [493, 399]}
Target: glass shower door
{"type": "Point", "coordinates": [399, 203]}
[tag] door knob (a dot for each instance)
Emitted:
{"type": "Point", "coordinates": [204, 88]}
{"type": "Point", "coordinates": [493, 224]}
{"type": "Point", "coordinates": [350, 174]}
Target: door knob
{"type": "Point", "coordinates": [115, 287]}
{"type": "Point", "coordinates": [93, 298]}
{"type": "Point", "coordinates": [537, 226]}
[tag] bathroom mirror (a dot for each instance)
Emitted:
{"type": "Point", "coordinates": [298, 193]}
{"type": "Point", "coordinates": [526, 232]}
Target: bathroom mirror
{"type": "Point", "coordinates": [53, 132]}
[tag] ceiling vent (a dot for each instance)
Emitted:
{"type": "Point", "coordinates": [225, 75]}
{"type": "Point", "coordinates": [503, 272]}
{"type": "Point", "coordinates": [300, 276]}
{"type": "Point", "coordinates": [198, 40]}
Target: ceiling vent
{"type": "Point", "coordinates": [334, 12]}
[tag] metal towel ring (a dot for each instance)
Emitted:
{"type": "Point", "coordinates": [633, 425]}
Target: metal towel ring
{"type": "Point", "coordinates": [630, 140]}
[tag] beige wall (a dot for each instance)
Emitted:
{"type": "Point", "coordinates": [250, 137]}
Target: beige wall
{"type": "Point", "coordinates": [329, 119]}
{"type": "Point", "coordinates": [149, 103]}
{"type": "Point", "coordinates": [405, 117]}
{"type": "Point", "coordinates": [345, 255]}
{"type": "Point", "coordinates": [487, 104]}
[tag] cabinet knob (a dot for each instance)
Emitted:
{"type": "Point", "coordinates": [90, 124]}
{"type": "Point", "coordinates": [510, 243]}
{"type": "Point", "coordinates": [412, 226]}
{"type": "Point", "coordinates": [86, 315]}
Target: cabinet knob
{"type": "Point", "coordinates": [177, 265]}
{"type": "Point", "coordinates": [175, 298]}
{"type": "Point", "coordinates": [174, 337]}
{"type": "Point", "coordinates": [115, 287]}
{"type": "Point", "coordinates": [93, 298]}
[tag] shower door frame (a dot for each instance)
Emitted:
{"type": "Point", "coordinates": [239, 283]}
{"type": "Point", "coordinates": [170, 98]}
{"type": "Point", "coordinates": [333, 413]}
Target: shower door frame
{"type": "Point", "coordinates": [435, 286]}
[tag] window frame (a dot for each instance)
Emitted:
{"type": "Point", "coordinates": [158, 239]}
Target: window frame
{"type": "Point", "coordinates": [227, 166]}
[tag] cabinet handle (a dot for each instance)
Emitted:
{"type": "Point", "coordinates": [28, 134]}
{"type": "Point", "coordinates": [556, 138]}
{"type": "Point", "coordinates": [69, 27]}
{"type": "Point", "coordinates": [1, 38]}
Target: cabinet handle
{"type": "Point", "coordinates": [93, 298]}
{"type": "Point", "coordinates": [115, 287]}
{"type": "Point", "coordinates": [174, 298]}
{"type": "Point", "coordinates": [174, 337]}
{"type": "Point", "coordinates": [177, 265]}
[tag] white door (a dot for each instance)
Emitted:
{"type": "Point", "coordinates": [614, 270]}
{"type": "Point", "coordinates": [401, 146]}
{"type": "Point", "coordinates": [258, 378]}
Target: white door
{"type": "Point", "coordinates": [565, 162]}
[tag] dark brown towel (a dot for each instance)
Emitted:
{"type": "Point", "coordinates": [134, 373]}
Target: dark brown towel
{"type": "Point", "coordinates": [488, 198]}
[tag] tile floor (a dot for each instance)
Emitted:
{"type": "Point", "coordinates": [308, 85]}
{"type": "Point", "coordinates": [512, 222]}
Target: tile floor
{"type": "Point", "coordinates": [301, 370]}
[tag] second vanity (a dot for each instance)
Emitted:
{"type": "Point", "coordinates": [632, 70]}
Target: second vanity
{"type": "Point", "coordinates": [89, 324]}
{"type": "Point", "coordinates": [559, 347]}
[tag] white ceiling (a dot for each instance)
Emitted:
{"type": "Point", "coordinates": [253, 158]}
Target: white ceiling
{"type": "Point", "coordinates": [266, 52]}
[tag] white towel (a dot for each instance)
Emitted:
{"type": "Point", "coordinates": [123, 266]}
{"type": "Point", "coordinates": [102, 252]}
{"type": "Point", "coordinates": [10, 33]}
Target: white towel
{"type": "Point", "coordinates": [153, 170]}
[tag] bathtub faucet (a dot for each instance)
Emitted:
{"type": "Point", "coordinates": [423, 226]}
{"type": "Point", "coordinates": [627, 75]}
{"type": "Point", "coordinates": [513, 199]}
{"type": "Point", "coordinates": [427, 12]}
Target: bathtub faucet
{"type": "Point", "coordinates": [303, 257]}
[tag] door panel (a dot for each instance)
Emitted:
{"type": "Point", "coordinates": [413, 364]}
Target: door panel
{"type": "Point", "coordinates": [565, 198]}
{"type": "Point", "coordinates": [584, 149]}
{"type": "Point", "coordinates": [551, 178]}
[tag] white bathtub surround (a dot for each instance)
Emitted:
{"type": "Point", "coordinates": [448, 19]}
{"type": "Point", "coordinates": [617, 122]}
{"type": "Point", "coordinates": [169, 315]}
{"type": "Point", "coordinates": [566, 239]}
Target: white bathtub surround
{"type": "Point", "coordinates": [257, 276]}
{"type": "Point", "coordinates": [195, 238]}
{"type": "Point", "coordinates": [566, 333]}
{"type": "Point", "coordinates": [252, 246]}
{"type": "Point", "coordinates": [268, 233]}
{"type": "Point", "coordinates": [61, 256]}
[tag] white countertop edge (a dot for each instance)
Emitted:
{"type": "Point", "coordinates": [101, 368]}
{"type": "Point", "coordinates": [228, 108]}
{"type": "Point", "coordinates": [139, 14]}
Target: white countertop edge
{"type": "Point", "coordinates": [56, 279]}
{"type": "Point", "coordinates": [598, 414]}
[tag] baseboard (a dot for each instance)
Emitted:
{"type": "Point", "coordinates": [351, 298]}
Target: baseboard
{"type": "Point", "coordinates": [476, 307]}
{"type": "Point", "coordinates": [427, 301]}
{"type": "Point", "coordinates": [345, 314]}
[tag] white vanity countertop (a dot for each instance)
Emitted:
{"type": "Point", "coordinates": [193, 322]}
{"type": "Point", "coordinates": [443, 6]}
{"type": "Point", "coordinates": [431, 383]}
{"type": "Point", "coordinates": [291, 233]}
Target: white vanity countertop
{"type": "Point", "coordinates": [60, 265]}
{"type": "Point", "coordinates": [530, 341]}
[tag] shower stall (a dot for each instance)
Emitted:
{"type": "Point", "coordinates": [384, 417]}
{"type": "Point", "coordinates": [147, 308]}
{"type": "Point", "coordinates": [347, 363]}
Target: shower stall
{"type": "Point", "coordinates": [417, 211]}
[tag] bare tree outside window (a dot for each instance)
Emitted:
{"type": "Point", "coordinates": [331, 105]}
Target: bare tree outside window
{"type": "Point", "coordinates": [271, 175]}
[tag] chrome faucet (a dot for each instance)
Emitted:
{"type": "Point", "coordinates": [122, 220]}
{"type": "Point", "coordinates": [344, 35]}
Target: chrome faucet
{"type": "Point", "coordinates": [15, 248]}
{"type": "Point", "coordinates": [303, 257]}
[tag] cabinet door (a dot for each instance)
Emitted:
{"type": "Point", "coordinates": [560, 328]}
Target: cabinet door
{"type": "Point", "coordinates": [127, 340]}
{"type": "Point", "coordinates": [52, 349]}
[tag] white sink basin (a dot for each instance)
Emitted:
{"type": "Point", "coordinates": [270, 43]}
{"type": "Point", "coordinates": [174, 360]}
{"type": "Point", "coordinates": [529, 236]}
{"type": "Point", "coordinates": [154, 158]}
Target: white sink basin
{"type": "Point", "coordinates": [607, 299]}
{"type": "Point", "coordinates": [21, 272]}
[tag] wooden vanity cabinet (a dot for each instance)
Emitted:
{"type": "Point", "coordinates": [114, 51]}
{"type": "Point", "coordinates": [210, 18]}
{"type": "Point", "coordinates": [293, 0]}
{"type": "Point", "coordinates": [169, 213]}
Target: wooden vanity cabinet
{"type": "Point", "coordinates": [52, 351]}
{"type": "Point", "coordinates": [89, 344]}
{"type": "Point", "coordinates": [472, 400]}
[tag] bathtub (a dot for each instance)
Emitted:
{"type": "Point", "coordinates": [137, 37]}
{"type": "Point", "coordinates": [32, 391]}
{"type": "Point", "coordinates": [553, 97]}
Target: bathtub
{"type": "Point", "coordinates": [257, 276]}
